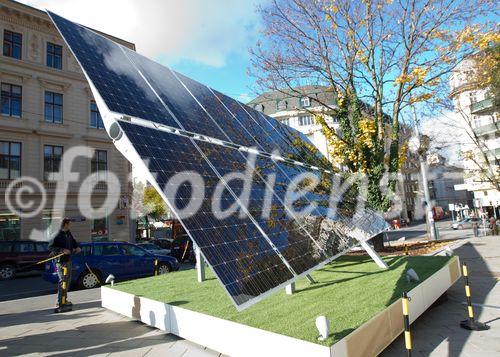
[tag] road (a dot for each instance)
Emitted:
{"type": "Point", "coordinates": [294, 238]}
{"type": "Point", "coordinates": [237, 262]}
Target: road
{"type": "Point", "coordinates": [25, 286]}
{"type": "Point", "coordinates": [418, 231]}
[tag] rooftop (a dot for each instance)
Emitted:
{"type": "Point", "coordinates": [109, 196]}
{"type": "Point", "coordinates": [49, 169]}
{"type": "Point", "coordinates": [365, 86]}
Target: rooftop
{"type": "Point", "coordinates": [275, 101]}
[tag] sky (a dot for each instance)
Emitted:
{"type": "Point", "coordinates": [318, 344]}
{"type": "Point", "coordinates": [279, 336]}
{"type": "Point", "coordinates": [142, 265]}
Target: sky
{"type": "Point", "coordinates": [205, 40]}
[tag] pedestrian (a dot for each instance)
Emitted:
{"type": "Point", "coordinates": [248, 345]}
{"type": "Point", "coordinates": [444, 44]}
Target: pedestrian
{"type": "Point", "coordinates": [475, 227]}
{"type": "Point", "coordinates": [493, 226]}
{"type": "Point", "coordinates": [64, 243]}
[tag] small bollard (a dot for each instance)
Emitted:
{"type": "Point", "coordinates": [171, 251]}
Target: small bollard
{"type": "Point", "coordinates": [64, 286]}
{"type": "Point", "coordinates": [63, 294]}
{"type": "Point", "coordinates": [406, 249]}
{"type": "Point", "coordinates": [470, 323]}
{"type": "Point", "coordinates": [406, 319]}
{"type": "Point", "coordinates": [156, 267]}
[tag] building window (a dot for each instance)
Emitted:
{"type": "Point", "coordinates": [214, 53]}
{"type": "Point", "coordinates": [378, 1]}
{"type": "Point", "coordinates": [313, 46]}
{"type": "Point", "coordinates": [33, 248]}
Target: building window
{"type": "Point", "coordinates": [99, 230]}
{"type": "Point", "coordinates": [472, 97]}
{"type": "Point", "coordinates": [53, 107]}
{"type": "Point", "coordinates": [10, 160]}
{"type": "Point", "coordinates": [285, 121]}
{"type": "Point", "coordinates": [99, 164]}
{"type": "Point", "coordinates": [282, 105]}
{"type": "Point", "coordinates": [95, 116]}
{"type": "Point", "coordinates": [305, 102]}
{"type": "Point", "coordinates": [476, 121]}
{"type": "Point", "coordinates": [12, 44]}
{"type": "Point", "coordinates": [305, 120]}
{"type": "Point", "coordinates": [11, 100]}
{"type": "Point", "coordinates": [10, 226]}
{"type": "Point", "coordinates": [54, 56]}
{"type": "Point", "coordinates": [52, 156]}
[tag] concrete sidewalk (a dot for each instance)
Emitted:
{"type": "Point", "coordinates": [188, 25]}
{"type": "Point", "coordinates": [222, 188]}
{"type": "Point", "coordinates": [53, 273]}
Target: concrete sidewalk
{"type": "Point", "coordinates": [29, 327]}
{"type": "Point", "coordinates": [438, 333]}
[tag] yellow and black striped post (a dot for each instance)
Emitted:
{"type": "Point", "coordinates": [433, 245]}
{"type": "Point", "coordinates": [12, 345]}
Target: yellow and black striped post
{"type": "Point", "coordinates": [62, 291]}
{"type": "Point", "coordinates": [156, 267]}
{"type": "Point", "coordinates": [470, 310]}
{"type": "Point", "coordinates": [406, 319]}
{"type": "Point", "coordinates": [406, 249]}
{"type": "Point", "coordinates": [470, 323]}
{"type": "Point", "coordinates": [64, 285]}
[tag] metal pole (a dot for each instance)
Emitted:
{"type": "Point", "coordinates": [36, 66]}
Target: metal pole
{"type": "Point", "coordinates": [406, 321]}
{"type": "Point", "coordinates": [429, 216]}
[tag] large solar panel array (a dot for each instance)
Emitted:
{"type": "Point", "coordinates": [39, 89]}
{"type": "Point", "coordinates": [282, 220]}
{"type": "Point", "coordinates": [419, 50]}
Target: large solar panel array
{"type": "Point", "coordinates": [181, 125]}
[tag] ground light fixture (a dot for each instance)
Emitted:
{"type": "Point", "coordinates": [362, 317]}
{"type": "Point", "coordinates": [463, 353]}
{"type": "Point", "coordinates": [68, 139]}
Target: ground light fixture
{"type": "Point", "coordinates": [110, 279]}
{"type": "Point", "coordinates": [323, 326]}
{"type": "Point", "coordinates": [411, 275]}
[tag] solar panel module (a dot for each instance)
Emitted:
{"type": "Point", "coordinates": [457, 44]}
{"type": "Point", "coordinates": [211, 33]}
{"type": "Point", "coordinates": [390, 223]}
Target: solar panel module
{"type": "Point", "coordinates": [223, 168]}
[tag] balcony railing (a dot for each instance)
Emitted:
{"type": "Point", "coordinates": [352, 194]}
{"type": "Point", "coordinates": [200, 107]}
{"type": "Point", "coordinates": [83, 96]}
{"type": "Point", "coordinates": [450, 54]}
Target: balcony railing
{"type": "Point", "coordinates": [486, 129]}
{"type": "Point", "coordinates": [481, 106]}
{"type": "Point", "coordinates": [5, 183]}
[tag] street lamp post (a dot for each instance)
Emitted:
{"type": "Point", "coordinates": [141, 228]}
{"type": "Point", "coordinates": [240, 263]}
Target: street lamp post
{"type": "Point", "coordinates": [422, 151]}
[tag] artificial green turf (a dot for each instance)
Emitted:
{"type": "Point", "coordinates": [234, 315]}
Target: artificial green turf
{"type": "Point", "coordinates": [349, 291]}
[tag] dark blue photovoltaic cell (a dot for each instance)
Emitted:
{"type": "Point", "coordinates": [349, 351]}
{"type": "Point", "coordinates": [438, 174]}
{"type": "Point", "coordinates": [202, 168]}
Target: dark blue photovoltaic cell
{"type": "Point", "coordinates": [285, 232]}
{"type": "Point", "coordinates": [235, 249]}
{"type": "Point", "coordinates": [233, 129]}
{"type": "Point", "coordinates": [297, 146]}
{"type": "Point", "coordinates": [114, 70]}
{"type": "Point", "coordinates": [264, 246]}
{"type": "Point", "coordinates": [118, 82]}
{"type": "Point", "coordinates": [191, 116]}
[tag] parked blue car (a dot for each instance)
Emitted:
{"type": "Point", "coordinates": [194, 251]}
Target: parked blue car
{"type": "Point", "coordinates": [123, 260]}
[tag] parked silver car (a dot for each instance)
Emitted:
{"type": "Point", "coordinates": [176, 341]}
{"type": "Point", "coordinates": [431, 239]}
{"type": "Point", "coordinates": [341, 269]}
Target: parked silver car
{"type": "Point", "coordinates": [464, 223]}
{"type": "Point", "coordinates": [467, 223]}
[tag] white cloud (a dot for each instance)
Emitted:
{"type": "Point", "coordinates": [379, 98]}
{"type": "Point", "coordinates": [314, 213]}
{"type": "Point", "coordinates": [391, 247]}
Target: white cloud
{"type": "Point", "coordinates": [203, 31]}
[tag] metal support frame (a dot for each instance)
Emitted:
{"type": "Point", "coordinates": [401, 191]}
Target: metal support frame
{"type": "Point", "coordinates": [310, 279]}
{"type": "Point", "coordinates": [373, 254]}
{"type": "Point", "coordinates": [290, 289]}
{"type": "Point", "coordinates": [200, 265]}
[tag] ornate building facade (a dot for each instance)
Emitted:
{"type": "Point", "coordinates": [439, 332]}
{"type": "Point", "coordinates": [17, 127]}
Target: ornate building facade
{"type": "Point", "coordinates": [47, 108]}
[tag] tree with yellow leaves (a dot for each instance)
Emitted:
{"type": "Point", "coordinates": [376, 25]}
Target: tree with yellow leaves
{"type": "Point", "coordinates": [388, 54]}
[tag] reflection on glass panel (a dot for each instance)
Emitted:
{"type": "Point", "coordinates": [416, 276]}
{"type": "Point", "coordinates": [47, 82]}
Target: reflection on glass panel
{"type": "Point", "coordinates": [99, 229]}
{"type": "Point", "coordinates": [10, 160]}
{"type": "Point", "coordinates": [10, 226]}
{"type": "Point", "coordinates": [49, 217]}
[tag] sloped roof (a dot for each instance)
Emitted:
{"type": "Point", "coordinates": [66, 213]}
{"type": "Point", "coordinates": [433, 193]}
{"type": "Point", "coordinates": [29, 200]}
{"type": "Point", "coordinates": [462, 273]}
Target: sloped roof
{"type": "Point", "coordinates": [274, 101]}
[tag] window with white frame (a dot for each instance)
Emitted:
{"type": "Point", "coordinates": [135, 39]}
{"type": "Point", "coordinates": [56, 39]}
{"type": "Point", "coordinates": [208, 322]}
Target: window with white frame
{"type": "Point", "coordinates": [305, 102]}
{"type": "Point", "coordinates": [306, 120]}
{"type": "Point", "coordinates": [282, 105]}
{"type": "Point", "coordinates": [472, 97]}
